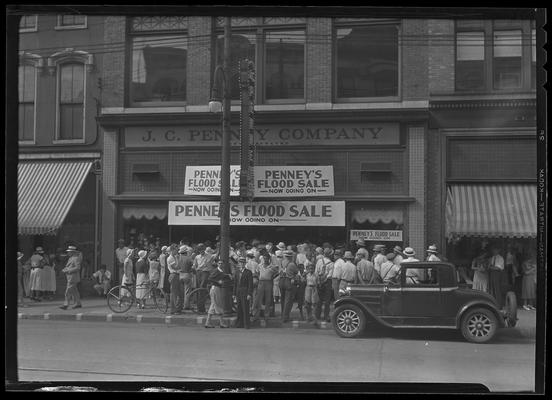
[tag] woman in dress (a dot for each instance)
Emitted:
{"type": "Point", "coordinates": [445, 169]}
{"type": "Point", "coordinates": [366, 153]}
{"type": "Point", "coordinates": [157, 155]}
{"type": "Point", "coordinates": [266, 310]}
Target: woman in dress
{"type": "Point", "coordinates": [218, 278]}
{"type": "Point", "coordinates": [154, 272]}
{"type": "Point", "coordinates": [128, 272]}
{"type": "Point", "coordinates": [480, 275]}
{"type": "Point", "coordinates": [529, 282]}
{"type": "Point", "coordinates": [47, 278]}
{"type": "Point", "coordinates": [141, 278]}
{"type": "Point", "coordinates": [37, 263]}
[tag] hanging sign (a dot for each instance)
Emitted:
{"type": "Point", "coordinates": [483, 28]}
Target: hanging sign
{"type": "Point", "coordinates": [378, 235]}
{"type": "Point", "coordinates": [265, 213]}
{"type": "Point", "coordinates": [204, 180]}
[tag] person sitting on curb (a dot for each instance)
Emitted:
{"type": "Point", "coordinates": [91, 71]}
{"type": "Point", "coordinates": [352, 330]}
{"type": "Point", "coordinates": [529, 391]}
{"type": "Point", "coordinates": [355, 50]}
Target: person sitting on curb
{"type": "Point", "coordinates": [103, 280]}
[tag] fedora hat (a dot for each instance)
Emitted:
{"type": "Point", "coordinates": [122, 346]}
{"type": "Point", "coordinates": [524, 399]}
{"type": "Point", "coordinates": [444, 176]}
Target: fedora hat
{"type": "Point", "coordinates": [328, 251]}
{"type": "Point", "coordinates": [432, 249]}
{"type": "Point", "coordinates": [348, 255]}
{"type": "Point", "coordinates": [69, 248]}
{"type": "Point", "coordinates": [397, 249]}
{"type": "Point", "coordinates": [183, 249]}
{"type": "Point", "coordinates": [142, 253]}
{"type": "Point", "coordinates": [288, 253]}
{"type": "Point", "coordinates": [209, 250]}
{"type": "Point", "coordinates": [361, 242]}
{"type": "Point", "coordinates": [281, 246]}
{"type": "Point", "coordinates": [409, 251]}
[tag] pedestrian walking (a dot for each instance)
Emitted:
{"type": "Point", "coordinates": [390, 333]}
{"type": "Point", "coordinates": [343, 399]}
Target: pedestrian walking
{"type": "Point", "coordinates": [141, 279]}
{"type": "Point", "coordinates": [264, 301]}
{"type": "Point", "coordinates": [324, 273]}
{"type": "Point", "coordinates": [336, 275]}
{"type": "Point", "coordinates": [185, 263]}
{"type": "Point", "coordinates": [243, 290]}
{"type": "Point", "coordinates": [121, 253]}
{"type": "Point", "coordinates": [102, 279]}
{"type": "Point", "coordinates": [529, 283]}
{"type": "Point", "coordinates": [365, 272]}
{"type": "Point", "coordinates": [496, 268]}
{"type": "Point", "coordinates": [290, 285]}
{"type": "Point", "coordinates": [72, 272]}
{"type": "Point", "coordinates": [348, 271]}
{"type": "Point", "coordinates": [480, 266]}
{"type": "Point", "coordinates": [311, 293]}
{"type": "Point", "coordinates": [217, 279]}
{"type": "Point", "coordinates": [176, 299]}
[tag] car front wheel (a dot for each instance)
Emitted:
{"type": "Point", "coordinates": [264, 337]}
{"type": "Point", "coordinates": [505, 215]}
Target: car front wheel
{"type": "Point", "coordinates": [348, 320]}
{"type": "Point", "coordinates": [479, 325]}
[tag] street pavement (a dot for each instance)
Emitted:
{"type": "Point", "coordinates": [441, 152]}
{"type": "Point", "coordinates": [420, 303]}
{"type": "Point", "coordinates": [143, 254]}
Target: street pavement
{"type": "Point", "coordinates": [55, 351]}
{"type": "Point", "coordinates": [96, 309]}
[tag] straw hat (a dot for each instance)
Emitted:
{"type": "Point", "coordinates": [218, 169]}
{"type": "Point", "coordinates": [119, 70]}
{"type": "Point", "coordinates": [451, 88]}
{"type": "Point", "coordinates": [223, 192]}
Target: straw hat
{"type": "Point", "coordinates": [20, 255]}
{"type": "Point", "coordinates": [183, 249]}
{"type": "Point", "coordinates": [348, 255]}
{"type": "Point", "coordinates": [142, 253]}
{"type": "Point", "coordinates": [209, 250]}
{"type": "Point", "coordinates": [397, 249]}
{"type": "Point", "coordinates": [164, 248]}
{"type": "Point", "coordinates": [409, 252]}
{"type": "Point", "coordinates": [40, 250]}
{"type": "Point", "coordinates": [281, 246]}
{"type": "Point", "coordinates": [69, 248]}
{"type": "Point", "coordinates": [432, 249]}
{"type": "Point", "coordinates": [319, 250]}
{"type": "Point", "coordinates": [129, 252]}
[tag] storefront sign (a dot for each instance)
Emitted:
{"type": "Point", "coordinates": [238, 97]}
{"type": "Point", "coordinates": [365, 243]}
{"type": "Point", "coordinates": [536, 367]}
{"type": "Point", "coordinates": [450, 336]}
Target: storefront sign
{"type": "Point", "coordinates": [279, 213]}
{"type": "Point", "coordinates": [204, 180]}
{"type": "Point", "coordinates": [377, 235]}
{"type": "Point", "coordinates": [328, 134]}
{"type": "Point", "coordinates": [269, 181]}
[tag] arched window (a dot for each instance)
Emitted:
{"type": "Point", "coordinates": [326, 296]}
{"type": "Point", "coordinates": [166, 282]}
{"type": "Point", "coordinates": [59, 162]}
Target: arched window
{"type": "Point", "coordinates": [27, 96]}
{"type": "Point", "coordinates": [71, 84]}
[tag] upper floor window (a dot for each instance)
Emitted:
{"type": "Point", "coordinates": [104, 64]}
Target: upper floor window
{"type": "Point", "coordinates": [277, 48]}
{"type": "Point", "coordinates": [493, 55]}
{"type": "Point", "coordinates": [367, 61]}
{"type": "Point", "coordinates": [71, 96]}
{"type": "Point", "coordinates": [159, 49]}
{"type": "Point", "coordinates": [27, 95]}
{"type": "Point", "coordinates": [70, 21]}
{"type": "Point", "coordinates": [28, 23]}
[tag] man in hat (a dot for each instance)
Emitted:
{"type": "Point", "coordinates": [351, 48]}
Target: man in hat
{"type": "Point", "coordinates": [348, 271]}
{"type": "Point", "coordinates": [243, 290]}
{"type": "Point", "coordinates": [72, 271]}
{"type": "Point", "coordinates": [252, 265]}
{"type": "Point", "coordinates": [379, 256]}
{"type": "Point", "coordinates": [389, 270]}
{"type": "Point", "coordinates": [185, 265]}
{"type": "Point", "coordinates": [432, 253]}
{"type": "Point", "coordinates": [336, 275]}
{"type": "Point", "coordinates": [290, 288]}
{"type": "Point", "coordinates": [413, 275]}
{"type": "Point", "coordinates": [202, 266]}
{"type": "Point", "coordinates": [120, 255]}
{"type": "Point", "coordinates": [103, 280]}
{"type": "Point", "coordinates": [324, 272]}
{"type": "Point", "coordinates": [398, 258]}
{"type": "Point", "coordinates": [176, 300]}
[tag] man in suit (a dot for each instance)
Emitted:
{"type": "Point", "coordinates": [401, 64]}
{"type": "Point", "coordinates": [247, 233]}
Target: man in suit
{"type": "Point", "coordinates": [72, 271]}
{"type": "Point", "coordinates": [243, 291]}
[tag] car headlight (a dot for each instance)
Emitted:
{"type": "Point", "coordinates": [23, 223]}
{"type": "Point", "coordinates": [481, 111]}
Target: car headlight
{"type": "Point", "coordinates": [345, 292]}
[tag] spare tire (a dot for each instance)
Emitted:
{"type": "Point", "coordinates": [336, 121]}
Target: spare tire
{"type": "Point", "coordinates": [510, 306]}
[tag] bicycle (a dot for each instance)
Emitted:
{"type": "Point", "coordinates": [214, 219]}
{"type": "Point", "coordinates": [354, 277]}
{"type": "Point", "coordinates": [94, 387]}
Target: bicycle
{"type": "Point", "coordinates": [122, 297]}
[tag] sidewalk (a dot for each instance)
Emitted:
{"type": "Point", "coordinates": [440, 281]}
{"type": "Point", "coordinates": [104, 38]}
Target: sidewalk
{"type": "Point", "coordinates": [96, 309]}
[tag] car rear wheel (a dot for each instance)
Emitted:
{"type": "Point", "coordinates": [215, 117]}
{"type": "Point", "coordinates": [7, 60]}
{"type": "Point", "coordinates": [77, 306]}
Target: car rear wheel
{"type": "Point", "coordinates": [479, 325]}
{"type": "Point", "coordinates": [348, 320]}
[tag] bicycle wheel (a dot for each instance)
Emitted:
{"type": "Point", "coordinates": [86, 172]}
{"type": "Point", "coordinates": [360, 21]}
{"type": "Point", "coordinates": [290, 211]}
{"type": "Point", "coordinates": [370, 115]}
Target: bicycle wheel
{"type": "Point", "coordinates": [120, 299]}
{"type": "Point", "coordinates": [161, 300]}
{"type": "Point", "coordinates": [195, 298]}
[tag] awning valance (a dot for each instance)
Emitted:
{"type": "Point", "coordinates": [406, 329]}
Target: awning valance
{"type": "Point", "coordinates": [375, 215]}
{"type": "Point", "coordinates": [486, 210]}
{"type": "Point", "coordinates": [144, 212]}
{"type": "Point", "coordinates": [46, 191]}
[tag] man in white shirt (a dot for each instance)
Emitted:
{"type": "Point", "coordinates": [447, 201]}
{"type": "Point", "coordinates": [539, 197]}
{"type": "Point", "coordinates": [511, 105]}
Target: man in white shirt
{"type": "Point", "coordinates": [413, 275]}
{"type": "Point", "coordinates": [348, 271]}
{"type": "Point", "coordinates": [336, 275]}
{"type": "Point", "coordinates": [121, 254]}
{"type": "Point", "coordinates": [174, 279]}
{"type": "Point", "coordinates": [379, 257]}
{"type": "Point", "coordinates": [324, 272]}
{"type": "Point", "coordinates": [103, 280]}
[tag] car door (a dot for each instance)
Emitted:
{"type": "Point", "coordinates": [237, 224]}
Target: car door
{"type": "Point", "coordinates": [422, 302]}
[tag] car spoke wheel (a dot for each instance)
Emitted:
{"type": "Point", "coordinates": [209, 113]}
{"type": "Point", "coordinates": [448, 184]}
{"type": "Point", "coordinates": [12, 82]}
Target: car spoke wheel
{"type": "Point", "coordinates": [349, 320]}
{"type": "Point", "coordinates": [479, 325]}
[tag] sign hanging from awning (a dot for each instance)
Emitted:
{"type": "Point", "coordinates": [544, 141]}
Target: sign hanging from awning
{"type": "Point", "coordinates": [276, 213]}
{"type": "Point", "coordinates": [268, 181]}
{"type": "Point", "coordinates": [378, 235]}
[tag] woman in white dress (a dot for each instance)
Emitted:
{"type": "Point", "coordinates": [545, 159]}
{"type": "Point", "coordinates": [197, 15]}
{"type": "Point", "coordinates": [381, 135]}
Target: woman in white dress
{"type": "Point", "coordinates": [128, 274]}
{"type": "Point", "coordinates": [37, 264]}
{"type": "Point", "coordinates": [480, 265]}
{"type": "Point", "coordinates": [142, 267]}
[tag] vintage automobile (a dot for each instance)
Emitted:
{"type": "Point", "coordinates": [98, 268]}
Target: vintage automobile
{"type": "Point", "coordinates": [432, 300]}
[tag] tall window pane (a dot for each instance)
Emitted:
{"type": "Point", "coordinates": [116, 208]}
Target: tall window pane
{"type": "Point", "coordinates": [367, 61]}
{"type": "Point", "coordinates": [26, 84]}
{"type": "Point", "coordinates": [507, 59]}
{"type": "Point", "coordinates": [242, 46]}
{"type": "Point", "coordinates": [158, 69]}
{"type": "Point", "coordinates": [27, 22]}
{"type": "Point", "coordinates": [470, 60]}
{"type": "Point", "coordinates": [71, 101]}
{"type": "Point", "coordinates": [284, 65]}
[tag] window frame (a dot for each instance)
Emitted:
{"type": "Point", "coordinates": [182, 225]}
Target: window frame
{"type": "Point", "coordinates": [494, 62]}
{"type": "Point", "coordinates": [36, 69]}
{"type": "Point", "coordinates": [129, 64]}
{"type": "Point", "coordinates": [33, 29]}
{"type": "Point", "coordinates": [60, 26]}
{"type": "Point", "coordinates": [58, 139]}
{"type": "Point", "coordinates": [336, 24]}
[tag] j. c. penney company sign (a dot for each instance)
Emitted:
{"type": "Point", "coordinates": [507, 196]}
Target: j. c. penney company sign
{"type": "Point", "coordinates": [270, 135]}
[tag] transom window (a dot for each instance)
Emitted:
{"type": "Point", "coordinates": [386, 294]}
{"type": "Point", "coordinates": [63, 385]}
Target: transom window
{"type": "Point", "coordinates": [27, 94]}
{"type": "Point", "coordinates": [367, 61]}
{"type": "Point", "coordinates": [71, 21]}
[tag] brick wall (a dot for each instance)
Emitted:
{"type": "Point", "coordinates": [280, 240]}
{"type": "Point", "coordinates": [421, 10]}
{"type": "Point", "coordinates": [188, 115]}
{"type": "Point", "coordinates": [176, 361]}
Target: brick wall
{"type": "Point", "coordinates": [414, 62]}
{"type": "Point", "coordinates": [319, 60]}
{"type": "Point", "coordinates": [113, 68]}
{"type": "Point", "coordinates": [417, 184]}
{"type": "Point", "coordinates": [109, 186]}
{"type": "Point", "coordinates": [441, 56]}
{"type": "Point", "coordinates": [434, 190]}
{"type": "Point", "coordinates": [198, 71]}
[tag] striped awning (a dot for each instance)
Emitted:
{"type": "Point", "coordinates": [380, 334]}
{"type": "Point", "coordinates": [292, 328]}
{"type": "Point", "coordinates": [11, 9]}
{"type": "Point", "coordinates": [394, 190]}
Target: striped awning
{"type": "Point", "coordinates": [501, 210]}
{"type": "Point", "coordinates": [46, 191]}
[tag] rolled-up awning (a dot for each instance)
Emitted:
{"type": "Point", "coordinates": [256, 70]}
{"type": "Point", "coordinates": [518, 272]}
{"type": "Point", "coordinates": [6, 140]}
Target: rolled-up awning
{"type": "Point", "coordinates": [501, 210]}
{"type": "Point", "coordinates": [46, 191]}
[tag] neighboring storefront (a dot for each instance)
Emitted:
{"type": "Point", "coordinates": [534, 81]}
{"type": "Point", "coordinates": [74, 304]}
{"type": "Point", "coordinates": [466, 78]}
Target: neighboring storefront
{"type": "Point", "coordinates": [372, 162]}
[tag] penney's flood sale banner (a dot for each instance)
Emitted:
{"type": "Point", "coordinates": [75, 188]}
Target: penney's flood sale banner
{"type": "Point", "coordinates": [382, 235]}
{"type": "Point", "coordinates": [277, 213]}
{"type": "Point", "coordinates": [268, 181]}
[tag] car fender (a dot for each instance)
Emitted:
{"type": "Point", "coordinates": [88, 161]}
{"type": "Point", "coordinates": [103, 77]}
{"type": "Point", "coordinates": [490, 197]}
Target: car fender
{"type": "Point", "coordinates": [483, 304]}
{"type": "Point", "coordinates": [369, 313]}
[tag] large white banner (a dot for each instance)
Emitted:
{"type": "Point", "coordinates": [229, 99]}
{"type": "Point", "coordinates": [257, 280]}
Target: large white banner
{"type": "Point", "coordinates": [204, 180]}
{"type": "Point", "coordinates": [276, 213]}
{"type": "Point", "coordinates": [379, 235]}
{"type": "Point", "coordinates": [268, 181]}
